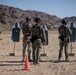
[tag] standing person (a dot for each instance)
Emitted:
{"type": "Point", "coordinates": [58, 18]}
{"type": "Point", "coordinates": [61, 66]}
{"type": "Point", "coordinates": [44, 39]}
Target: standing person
{"type": "Point", "coordinates": [38, 36]}
{"type": "Point", "coordinates": [64, 33]}
{"type": "Point", "coordinates": [26, 30]}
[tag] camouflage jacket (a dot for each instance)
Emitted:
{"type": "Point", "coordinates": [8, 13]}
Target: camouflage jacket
{"type": "Point", "coordinates": [26, 29]}
{"type": "Point", "coordinates": [64, 30]}
{"type": "Point", "coordinates": [38, 30]}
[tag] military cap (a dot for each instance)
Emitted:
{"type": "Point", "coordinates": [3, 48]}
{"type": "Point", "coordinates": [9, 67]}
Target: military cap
{"type": "Point", "coordinates": [28, 18]}
{"type": "Point", "coordinates": [64, 22]}
{"type": "Point", "coordinates": [37, 19]}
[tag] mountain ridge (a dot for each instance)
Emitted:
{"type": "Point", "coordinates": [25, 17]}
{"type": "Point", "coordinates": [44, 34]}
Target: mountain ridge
{"type": "Point", "coordinates": [9, 15]}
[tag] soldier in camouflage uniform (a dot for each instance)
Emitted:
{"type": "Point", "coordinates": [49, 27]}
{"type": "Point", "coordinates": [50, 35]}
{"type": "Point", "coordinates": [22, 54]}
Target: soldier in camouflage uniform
{"type": "Point", "coordinates": [26, 30]}
{"type": "Point", "coordinates": [64, 33]}
{"type": "Point", "coordinates": [38, 36]}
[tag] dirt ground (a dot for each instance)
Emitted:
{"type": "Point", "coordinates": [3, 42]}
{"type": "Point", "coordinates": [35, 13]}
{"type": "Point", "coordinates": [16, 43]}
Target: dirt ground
{"type": "Point", "coordinates": [12, 65]}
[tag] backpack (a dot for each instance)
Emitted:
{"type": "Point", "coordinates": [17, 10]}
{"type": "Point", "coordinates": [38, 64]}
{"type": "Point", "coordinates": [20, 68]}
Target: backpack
{"type": "Point", "coordinates": [26, 29]}
{"type": "Point", "coordinates": [36, 33]}
{"type": "Point", "coordinates": [36, 30]}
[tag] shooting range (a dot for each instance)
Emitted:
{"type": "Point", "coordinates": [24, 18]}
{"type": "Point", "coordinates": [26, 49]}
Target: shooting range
{"type": "Point", "coordinates": [44, 48]}
{"type": "Point", "coordinates": [72, 38]}
{"type": "Point", "coordinates": [15, 36]}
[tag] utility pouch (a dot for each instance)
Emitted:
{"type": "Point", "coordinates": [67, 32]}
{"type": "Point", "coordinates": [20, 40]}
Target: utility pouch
{"type": "Point", "coordinates": [33, 38]}
{"type": "Point", "coordinates": [64, 38]}
{"type": "Point", "coordinates": [67, 39]}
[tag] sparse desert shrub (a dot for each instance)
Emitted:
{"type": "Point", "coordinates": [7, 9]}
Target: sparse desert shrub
{"type": "Point", "coordinates": [3, 13]}
{"type": "Point", "coordinates": [0, 32]}
{"type": "Point", "coordinates": [2, 21]}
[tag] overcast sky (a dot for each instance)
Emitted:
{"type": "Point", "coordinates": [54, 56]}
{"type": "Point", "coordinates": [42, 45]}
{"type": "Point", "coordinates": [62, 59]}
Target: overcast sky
{"type": "Point", "coordinates": [60, 8]}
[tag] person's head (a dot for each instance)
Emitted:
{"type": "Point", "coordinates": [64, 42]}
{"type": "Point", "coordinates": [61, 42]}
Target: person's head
{"type": "Point", "coordinates": [16, 24]}
{"type": "Point", "coordinates": [64, 22]}
{"type": "Point", "coordinates": [37, 20]}
{"type": "Point", "coordinates": [71, 24]}
{"type": "Point", "coordinates": [28, 19]}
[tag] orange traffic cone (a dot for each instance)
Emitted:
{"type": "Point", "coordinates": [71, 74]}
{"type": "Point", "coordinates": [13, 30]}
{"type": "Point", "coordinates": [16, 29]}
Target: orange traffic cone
{"type": "Point", "coordinates": [27, 64]}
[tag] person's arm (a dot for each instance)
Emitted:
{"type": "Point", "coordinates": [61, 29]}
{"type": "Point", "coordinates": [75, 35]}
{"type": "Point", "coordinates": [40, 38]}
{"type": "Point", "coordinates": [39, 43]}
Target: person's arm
{"type": "Point", "coordinates": [43, 34]}
{"type": "Point", "coordinates": [68, 31]}
{"type": "Point", "coordinates": [31, 30]}
{"type": "Point", "coordinates": [59, 31]}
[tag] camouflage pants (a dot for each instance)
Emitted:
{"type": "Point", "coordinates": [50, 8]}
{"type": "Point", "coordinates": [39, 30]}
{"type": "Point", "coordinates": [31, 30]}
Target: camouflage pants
{"type": "Point", "coordinates": [36, 46]}
{"type": "Point", "coordinates": [26, 47]}
{"type": "Point", "coordinates": [64, 45]}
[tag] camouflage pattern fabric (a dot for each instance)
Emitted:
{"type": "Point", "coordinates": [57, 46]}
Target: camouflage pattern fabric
{"type": "Point", "coordinates": [37, 30]}
{"type": "Point", "coordinates": [26, 30]}
{"type": "Point", "coordinates": [64, 31]}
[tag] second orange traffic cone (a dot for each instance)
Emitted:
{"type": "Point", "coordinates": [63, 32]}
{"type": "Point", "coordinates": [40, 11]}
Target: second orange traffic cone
{"type": "Point", "coordinates": [27, 64]}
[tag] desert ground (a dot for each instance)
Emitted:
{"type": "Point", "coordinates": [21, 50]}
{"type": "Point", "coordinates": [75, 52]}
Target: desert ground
{"type": "Point", "coordinates": [12, 65]}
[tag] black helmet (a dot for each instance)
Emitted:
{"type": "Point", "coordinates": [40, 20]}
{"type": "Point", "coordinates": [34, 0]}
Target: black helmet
{"type": "Point", "coordinates": [28, 18]}
{"type": "Point", "coordinates": [37, 19]}
{"type": "Point", "coordinates": [64, 22]}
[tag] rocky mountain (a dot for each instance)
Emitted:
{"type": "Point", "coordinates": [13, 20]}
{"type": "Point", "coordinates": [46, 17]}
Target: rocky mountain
{"type": "Point", "coordinates": [10, 15]}
{"type": "Point", "coordinates": [67, 19]}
